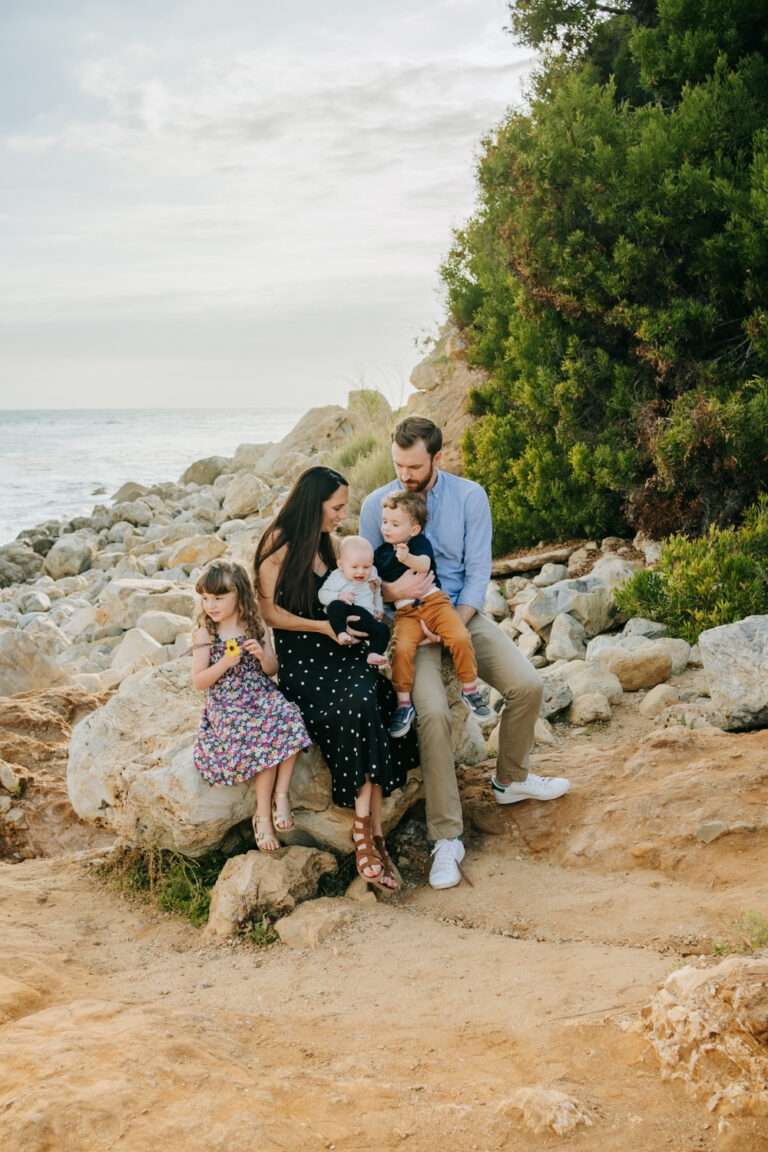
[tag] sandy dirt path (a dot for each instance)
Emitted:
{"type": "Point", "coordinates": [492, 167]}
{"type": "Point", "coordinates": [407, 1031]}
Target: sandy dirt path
{"type": "Point", "coordinates": [415, 1024]}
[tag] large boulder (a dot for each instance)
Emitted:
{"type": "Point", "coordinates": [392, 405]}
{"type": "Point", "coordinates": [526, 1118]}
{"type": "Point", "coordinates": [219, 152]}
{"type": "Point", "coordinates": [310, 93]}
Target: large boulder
{"type": "Point", "coordinates": [195, 550]}
{"type": "Point", "coordinates": [131, 771]}
{"type": "Point", "coordinates": [204, 472]}
{"type": "Point", "coordinates": [267, 881]}
{"type": "Point", "coordinates": [244, 496]}
{"type": "Point", "coordinates": [122, 602]}
{"type": "Point", "coordinates": [24, 667]}
{"type": "Point", "coordinates": [70, 555]}
{"type": "Point", "coordinates": [735, 659]}
{"type": "Point", "coordinates": [643, 666]}
{"type": "Point", "coordinates": [318, 430]}
{"type": "Point", "coordinates": [18, 563]}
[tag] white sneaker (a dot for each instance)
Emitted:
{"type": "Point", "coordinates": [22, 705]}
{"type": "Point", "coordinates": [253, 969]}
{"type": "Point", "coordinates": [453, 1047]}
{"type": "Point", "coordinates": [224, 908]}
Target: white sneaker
{"type": "Point", "coordinates": [532, 788]}
{"type": "Point", "coordinates": [444, 872]}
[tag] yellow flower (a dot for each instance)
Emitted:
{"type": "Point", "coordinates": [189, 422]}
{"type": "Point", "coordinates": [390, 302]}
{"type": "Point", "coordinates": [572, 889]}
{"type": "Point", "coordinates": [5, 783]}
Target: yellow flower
{"type": "Point", "coordinates": [232, 648]}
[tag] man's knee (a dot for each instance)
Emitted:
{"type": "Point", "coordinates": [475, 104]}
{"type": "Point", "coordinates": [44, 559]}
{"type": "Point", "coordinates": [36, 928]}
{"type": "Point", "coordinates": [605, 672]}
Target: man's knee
{"type": "Point", "coordinates": [525, 687]}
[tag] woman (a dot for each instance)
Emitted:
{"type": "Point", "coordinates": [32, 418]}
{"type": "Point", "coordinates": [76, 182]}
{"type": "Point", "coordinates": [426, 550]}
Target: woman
{"type": "Point", "coordinates": [346, 705]}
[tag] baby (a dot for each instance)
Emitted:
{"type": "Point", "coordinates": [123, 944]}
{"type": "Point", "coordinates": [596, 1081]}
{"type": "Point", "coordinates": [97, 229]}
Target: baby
{"type": "Point", "coordinates": [354, 589]}
{"type": "Point", "coordinates": [405, 547]}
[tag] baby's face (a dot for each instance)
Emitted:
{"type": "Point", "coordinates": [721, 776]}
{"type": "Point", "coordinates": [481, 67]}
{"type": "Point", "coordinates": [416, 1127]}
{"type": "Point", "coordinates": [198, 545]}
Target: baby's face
{"type": "Point", "coordinates": [397, 527]}
{"type": "Point", "coordinates": [356, 564]}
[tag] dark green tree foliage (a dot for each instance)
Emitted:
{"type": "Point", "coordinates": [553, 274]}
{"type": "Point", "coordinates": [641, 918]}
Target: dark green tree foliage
{"type": "Point", "coordinates": [614, 279]}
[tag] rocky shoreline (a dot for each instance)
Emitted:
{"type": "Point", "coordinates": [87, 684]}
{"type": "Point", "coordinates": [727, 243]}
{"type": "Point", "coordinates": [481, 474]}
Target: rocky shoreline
{"type": "Point", "coordinates": [104, 606]}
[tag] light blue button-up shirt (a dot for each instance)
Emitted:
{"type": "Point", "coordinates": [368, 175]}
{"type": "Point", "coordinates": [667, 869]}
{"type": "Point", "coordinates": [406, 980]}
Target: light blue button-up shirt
{"type": "Point", "coordinates": [459, 528]}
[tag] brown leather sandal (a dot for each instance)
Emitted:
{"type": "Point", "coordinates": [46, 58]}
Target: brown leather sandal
{"type": "Point", "coordinates": [366, 855]}
{"type": "Point", "coordinates": [387, 867]}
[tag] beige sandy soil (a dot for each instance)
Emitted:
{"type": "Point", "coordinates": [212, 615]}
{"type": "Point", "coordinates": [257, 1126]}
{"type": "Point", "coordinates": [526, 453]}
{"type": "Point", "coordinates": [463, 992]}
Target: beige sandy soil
{"type": "Point", "coordinates": [415, 1025]}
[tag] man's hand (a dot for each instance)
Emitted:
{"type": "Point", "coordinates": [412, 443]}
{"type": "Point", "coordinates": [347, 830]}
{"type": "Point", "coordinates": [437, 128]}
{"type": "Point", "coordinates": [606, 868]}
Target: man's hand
{"type": "Point", "coordinates": [409, 586]}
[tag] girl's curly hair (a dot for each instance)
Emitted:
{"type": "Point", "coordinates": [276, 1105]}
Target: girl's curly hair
{"type": "Point", "coordinates": [220, 577]}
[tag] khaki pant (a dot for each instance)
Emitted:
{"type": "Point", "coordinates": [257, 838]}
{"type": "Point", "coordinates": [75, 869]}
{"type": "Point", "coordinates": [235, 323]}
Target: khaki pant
{"type": "Point", "coordinates": [500, 664]}
{"type": "Point", "coordinates": [440, 617]}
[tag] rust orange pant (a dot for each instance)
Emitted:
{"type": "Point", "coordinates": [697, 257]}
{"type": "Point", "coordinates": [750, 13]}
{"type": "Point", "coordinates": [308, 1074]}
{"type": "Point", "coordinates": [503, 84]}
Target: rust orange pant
{"type": "Point", "coordinates": [441, 617]}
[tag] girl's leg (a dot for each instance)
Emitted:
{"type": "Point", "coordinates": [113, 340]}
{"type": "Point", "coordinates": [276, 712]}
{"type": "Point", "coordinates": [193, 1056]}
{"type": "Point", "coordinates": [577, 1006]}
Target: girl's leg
{"type": "Point", "coordinates": [283, 817]}
{"type": "Point", "coordinates": [387, 877]}
{"type": "Point", "coordinates": [372, 868]}
{"type": "Point", "coordinates": [263, 830]}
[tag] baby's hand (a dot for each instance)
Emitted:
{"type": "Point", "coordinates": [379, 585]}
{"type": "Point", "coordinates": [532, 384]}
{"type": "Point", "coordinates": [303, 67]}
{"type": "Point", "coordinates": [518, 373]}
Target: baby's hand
{"type": "Point", "coordinates": [373, 584]}
{"type": "Point", "coordinates": [347, 597]}
{"type": "Point", "coordinates": [254, 648]}
{"type": "Point", "coordinates": [378, 615]}
{"type": "Point", "coordinates": [401, 551]}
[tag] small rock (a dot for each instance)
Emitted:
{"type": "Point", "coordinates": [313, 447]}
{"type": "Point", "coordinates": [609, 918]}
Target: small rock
{"type": "Point", "coordinates": [16, 818]}
{"type": "Point", "coordinates": [495, 605]}
{"type": "Point", "coordinates": [8, 777]}
{"type": "Point", "coordinates": [712, 830]}
{"type": "Point", "coordinates": [360, 891]}
{"type": "Point", "coordinates": [640, 626]}
{"type": "Point", "coordinates": [658, 699]}
{"type": "Point", "coordinates": [550, 574]}
{"type": "Point", "coordinates": [34, 602]}
{"type": "Point", "coordinates": [589, 708]}
{"type": "Point", "coordinates": [567, 639]}
{"type": "Point", "coordinates": [313, 922]}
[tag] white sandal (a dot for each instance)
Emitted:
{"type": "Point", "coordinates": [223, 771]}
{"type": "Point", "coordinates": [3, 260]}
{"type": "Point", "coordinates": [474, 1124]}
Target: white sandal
{"type": "Point", "coordinates": [262, 837]}
{"type": "Point", "coordinates": [281, 821]}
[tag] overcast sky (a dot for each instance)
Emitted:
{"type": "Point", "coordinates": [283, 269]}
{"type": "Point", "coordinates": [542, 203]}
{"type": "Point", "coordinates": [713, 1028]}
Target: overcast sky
{"type": "Point", "coordinates": [238, 202]}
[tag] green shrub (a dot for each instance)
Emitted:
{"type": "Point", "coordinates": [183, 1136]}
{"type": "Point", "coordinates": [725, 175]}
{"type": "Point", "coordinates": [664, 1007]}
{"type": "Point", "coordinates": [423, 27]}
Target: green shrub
{"type": "Point", "coordinates": [165, 878]}
{"type": "Point", "coordinates": [698, 584]}
{"type": "Point", "coordinates": [369, 473]}
{"type": "Point", "coordinates": [360, 445]}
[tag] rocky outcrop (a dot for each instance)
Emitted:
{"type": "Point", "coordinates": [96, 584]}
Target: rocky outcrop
{"type": "Point", "coordinates": [442, 381]}
{"type": "Point", "coordinates": [36, 817]}
{"type": "Point", "coordinates": [709, 1028]}
{"type": "Point", "coordinates": [131, 771]}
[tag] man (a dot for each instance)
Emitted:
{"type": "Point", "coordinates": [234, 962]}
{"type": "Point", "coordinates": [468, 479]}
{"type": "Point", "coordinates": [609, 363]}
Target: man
{"type": "Point", "coordinates": [459, 528]}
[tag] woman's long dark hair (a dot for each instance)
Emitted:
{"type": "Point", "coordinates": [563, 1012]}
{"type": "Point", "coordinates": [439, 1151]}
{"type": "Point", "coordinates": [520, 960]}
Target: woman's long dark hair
{"type": "Point", "coordinates": [298, 525]}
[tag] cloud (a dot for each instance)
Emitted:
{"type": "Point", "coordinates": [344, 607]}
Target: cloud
{"type": "Point", "coordinates": [303, 165]}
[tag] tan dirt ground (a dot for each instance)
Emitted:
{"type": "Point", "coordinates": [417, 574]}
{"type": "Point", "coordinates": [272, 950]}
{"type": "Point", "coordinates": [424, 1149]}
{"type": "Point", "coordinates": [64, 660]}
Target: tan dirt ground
{"type": "Point", "coordinates": [411, 1027]}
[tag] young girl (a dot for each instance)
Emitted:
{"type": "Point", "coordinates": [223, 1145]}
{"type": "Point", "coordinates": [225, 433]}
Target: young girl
{"type": "Point", "coordinates": [248, 728]}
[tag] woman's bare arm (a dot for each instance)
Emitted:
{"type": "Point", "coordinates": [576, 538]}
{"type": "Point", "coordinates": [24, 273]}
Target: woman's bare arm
{"type": "Point", "coordinates": [275, 616]}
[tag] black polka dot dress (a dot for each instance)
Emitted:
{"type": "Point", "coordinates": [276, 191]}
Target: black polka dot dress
{"type": "Point", "coordinates": [346, 706]}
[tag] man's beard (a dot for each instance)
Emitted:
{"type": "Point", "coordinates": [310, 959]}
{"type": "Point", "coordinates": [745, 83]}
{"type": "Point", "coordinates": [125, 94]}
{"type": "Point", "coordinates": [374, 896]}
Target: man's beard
{"type": "Point", "coordinates": [423, 485]}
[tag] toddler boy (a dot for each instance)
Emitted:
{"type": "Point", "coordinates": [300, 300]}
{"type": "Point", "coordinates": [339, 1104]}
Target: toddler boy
{"type": "Point", "coordinates": [403, 516]}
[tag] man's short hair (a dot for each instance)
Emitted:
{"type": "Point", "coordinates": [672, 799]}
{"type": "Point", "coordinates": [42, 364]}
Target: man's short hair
{"type": "Point", "coordinates": [413, 503]}
{"type": "Point", "coordinates": [412, 428]}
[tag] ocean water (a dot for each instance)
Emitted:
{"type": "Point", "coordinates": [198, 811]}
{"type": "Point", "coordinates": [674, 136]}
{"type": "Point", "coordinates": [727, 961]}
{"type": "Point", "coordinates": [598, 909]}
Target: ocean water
{"type": "Point", "coordinates": [54, 463]}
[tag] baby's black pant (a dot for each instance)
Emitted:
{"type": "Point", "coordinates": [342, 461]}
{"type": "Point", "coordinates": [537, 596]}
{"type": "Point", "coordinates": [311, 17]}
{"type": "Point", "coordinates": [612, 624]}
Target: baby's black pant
{"type": "Point", "coordinates": [378, 633]}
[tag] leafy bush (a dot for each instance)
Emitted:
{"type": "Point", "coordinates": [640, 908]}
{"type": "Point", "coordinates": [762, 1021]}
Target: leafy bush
{"type": "Point", "coordinates": [613, 281]}
{"type": "Point", "coordinates": [698, 584]}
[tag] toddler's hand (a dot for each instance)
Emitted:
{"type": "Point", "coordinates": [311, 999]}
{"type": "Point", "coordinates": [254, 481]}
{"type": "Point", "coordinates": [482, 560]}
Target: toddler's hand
{"type": "Point", "coordinates": [401, 551]}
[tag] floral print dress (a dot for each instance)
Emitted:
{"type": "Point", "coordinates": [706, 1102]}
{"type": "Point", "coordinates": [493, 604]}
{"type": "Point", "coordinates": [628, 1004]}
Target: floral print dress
{"type": "Point", "coordinates": [247, 724]}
